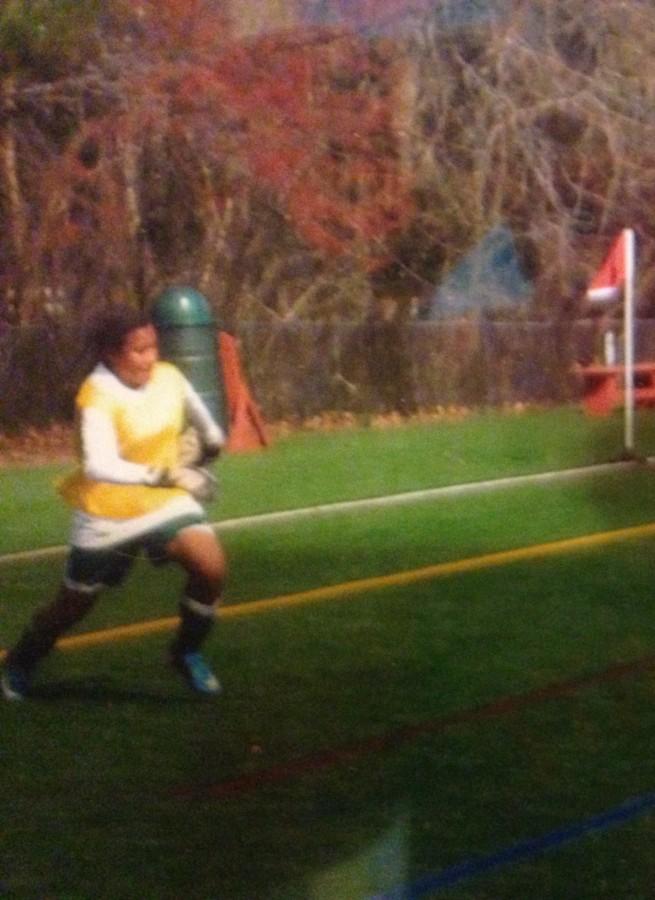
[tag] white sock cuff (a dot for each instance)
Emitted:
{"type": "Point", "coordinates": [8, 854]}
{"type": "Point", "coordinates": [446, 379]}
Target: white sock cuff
{"type": "Point", "coordinates": [200, 609]}
{"type": "Point", "coordinates": [80, 588]}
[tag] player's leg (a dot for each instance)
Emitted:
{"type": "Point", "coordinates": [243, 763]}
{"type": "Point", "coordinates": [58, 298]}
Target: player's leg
{"type": "Point", "coordinates": [87, 572]}
{"type": "Point", "coordinates": [48, 624]}
{"type": "Point", "coordinates": [198, 551]}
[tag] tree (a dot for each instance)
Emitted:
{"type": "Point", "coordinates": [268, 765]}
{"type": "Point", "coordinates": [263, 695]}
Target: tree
{"type": "Point", "coordinates": [321, 135]}
{"type": "Point", "coordinates": [539, 119]}
{"type": "Point", "coordinates": [46, 39]}
{"type": "Point", "coordinates": [281, 170]}
{"type": "Point", "coordinates": [161, 148]}
{"type": "Point", "coordinates": [39, 41]}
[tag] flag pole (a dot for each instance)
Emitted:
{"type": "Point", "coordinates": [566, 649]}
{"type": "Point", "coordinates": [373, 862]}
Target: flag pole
{"type": "Point", "coordinates": [629, 344]}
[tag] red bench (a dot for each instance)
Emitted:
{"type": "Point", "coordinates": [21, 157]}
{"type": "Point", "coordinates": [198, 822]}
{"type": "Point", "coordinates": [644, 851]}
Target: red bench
{"type": "Point", "coordinates": [603, 387]}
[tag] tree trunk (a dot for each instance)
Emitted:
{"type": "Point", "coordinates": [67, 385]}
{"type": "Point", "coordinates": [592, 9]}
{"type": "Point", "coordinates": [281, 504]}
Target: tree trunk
{"type": "Point", "coordinates": [15, 212]}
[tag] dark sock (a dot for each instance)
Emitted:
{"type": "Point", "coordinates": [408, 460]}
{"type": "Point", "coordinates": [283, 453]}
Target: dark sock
{"type": "Point", "coordinates": [194, 627]}
{"type": "Point", "coordinates": [47, 626]}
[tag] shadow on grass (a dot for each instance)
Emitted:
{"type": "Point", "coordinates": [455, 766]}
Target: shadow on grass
{"type": "Point", "coordinates": [103, 691]}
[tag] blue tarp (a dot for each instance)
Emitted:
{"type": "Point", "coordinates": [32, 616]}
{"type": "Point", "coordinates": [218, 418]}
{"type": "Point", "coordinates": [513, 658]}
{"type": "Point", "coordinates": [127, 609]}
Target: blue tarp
{"type": "Point", "coordinates": [490, 276]}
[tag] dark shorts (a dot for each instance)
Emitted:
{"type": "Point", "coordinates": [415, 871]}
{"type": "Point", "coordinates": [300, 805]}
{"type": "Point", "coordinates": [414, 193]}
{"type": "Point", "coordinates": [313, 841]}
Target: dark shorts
{"type": "Point", "coordinates": [88, 571]}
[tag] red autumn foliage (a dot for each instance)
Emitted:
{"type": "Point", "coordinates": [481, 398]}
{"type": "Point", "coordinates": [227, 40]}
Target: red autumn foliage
{"type": "Point", "coordinates": [320, 113]}
{"type": "Point", "coordinates": [181, 26]}
{"type": "Point", "coordinates": [310, 115]}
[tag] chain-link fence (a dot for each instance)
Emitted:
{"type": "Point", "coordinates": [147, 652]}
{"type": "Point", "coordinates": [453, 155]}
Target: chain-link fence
{"type": "Point", "coordinates": [300, 370]}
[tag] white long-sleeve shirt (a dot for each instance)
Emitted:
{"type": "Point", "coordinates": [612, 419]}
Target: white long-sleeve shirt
{"type": "Point", "coordinates": [99, 447]}
{"type": "Point", "coordinates": [126, 436]}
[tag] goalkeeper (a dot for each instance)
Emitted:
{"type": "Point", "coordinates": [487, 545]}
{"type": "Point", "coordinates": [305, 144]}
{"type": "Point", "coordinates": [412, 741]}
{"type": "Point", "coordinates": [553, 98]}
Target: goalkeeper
{"type": "Point", "coordinates": [132, 493]}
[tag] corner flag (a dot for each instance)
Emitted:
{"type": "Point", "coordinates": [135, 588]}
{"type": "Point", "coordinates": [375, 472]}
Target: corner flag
{"type": "Point", "coordinates": [616, 277]}
{"type": "Point", "coordinates": [608, 282]}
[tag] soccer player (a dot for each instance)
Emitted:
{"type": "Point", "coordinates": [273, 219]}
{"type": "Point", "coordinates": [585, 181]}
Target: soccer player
{"type": "Point", "coordinates": [130, 494]}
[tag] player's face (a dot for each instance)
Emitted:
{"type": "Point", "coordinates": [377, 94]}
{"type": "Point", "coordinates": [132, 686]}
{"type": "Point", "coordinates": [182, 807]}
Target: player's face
{"type": "Point", "coordinates": [133, 363]}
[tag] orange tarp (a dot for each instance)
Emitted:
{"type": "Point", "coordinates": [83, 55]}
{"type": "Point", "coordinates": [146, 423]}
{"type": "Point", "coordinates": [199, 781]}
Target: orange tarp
{"type": "Point", "coordinates": [246, 427]}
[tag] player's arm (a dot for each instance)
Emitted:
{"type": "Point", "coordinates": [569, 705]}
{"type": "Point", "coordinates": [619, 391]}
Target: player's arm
{"type": "Point", "coordinates": [210, 434]}
{"type": "Point", "coordinates": [101, 459]}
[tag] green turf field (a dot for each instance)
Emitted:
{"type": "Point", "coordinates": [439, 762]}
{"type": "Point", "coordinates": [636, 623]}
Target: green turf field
{"type": "Point", "coordinates": [421, 727]}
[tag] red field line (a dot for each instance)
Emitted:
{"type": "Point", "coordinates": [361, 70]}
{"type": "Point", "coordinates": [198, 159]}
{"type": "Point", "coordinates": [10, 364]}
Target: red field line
{"type": "Point", "coordinates": [330, 758]}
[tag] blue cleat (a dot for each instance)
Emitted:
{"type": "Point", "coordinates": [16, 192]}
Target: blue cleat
{"type": "Point", "coordinates": [15, 683]}
{"type": "Point", "coordinates": [197, 673]}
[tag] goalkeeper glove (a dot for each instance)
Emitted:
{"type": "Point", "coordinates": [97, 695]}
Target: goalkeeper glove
{"type": "Point", "coordinates": [210, 453]}
{"type": "Point", "coordinates": [193, 451]}
{"type": "Point", "coordinates": [196, 481]}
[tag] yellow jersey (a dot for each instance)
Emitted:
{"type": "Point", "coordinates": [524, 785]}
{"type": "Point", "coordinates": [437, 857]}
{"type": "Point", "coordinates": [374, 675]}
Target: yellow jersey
{"type": "Point", "coordinates": [123, 434]}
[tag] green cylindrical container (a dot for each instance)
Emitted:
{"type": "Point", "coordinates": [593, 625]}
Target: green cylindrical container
{"type": "Point", "coordinates": [188, 338]}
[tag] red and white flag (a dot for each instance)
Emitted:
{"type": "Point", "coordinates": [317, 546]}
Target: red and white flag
{"type": "Point", "coordinates": [609, 281]}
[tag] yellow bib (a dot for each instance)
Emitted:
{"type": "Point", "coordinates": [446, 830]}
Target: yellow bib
{"type": "Point", "coordinates": [147, 422]}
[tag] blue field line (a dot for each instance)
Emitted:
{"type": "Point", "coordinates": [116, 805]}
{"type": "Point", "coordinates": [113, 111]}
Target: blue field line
{"type": "Point", "coordinates": [523, 850]}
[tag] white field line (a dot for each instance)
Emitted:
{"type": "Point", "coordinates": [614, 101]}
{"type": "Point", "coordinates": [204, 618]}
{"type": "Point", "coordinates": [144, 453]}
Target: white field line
{"type": "Point", "coordinates": [428, 494]}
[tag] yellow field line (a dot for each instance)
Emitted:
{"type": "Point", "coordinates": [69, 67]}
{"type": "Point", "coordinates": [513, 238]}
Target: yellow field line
{"type": "Point", "coordinates": [381, 582]}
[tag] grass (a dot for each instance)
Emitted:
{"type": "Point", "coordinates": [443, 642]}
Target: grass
{"type": "Point", "coordinates": [327, 677]}
{"type": "Point", "coordinates": [364, 740]}
{"type": "Point", "coordinates": [311, 468]}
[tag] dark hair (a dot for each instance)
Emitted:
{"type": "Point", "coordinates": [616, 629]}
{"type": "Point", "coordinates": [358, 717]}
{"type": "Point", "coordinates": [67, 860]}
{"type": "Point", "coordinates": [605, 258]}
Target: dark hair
{"type": "Point", "coordinates": [113, 324]}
